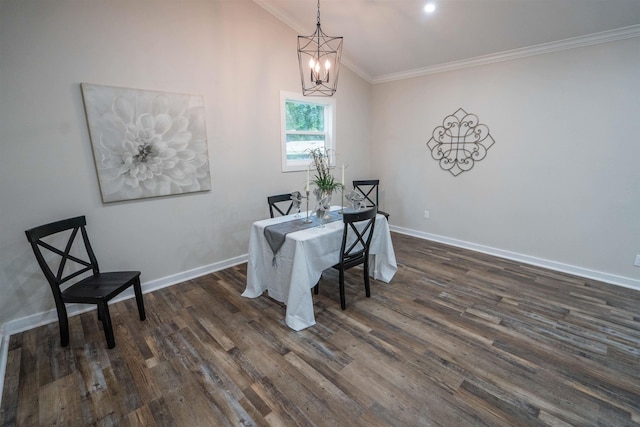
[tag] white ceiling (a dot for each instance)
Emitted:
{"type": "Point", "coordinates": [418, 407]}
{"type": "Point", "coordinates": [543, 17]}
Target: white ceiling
{"type": "Point", "coordinates": [389, 39]}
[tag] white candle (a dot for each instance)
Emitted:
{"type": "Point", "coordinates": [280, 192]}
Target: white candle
{"type": "Point", "coordinates": [306, 189]}
{"type": "Point", "coordinates": [343, 174]}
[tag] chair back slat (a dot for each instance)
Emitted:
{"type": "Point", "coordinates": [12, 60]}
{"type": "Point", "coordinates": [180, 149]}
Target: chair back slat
{"type": "Point", "coordinates": [360, 226]}
{"type": "Point", "coordinates": [369, 189]}
{"type": "Point", "coordinates": [65, 255]}
{"type": "Point", "coordinates": [57, 278]}
{"type": "Point", "coordinates": [273, 202]}
{"type": "Point", "coordinates": [41, 231]}
{"type": "Point", "coordinates": [360, 241]}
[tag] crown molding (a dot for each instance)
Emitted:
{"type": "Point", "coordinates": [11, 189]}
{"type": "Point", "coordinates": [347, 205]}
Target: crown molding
{"type": "Point", "coordinates": [541, 49]}
{"type": "Point", "coordinates": [281, 16]}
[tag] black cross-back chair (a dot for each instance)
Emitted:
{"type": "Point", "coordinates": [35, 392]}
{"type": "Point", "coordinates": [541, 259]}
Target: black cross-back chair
{"type": "Point", "coordinates": [356, 241]}
{"type": "Point", "coordinates": [369, 189]}
{"type": "Point", "coordinates": [98, 288]}
{"type": "Point", "coordinates": [278, 204]}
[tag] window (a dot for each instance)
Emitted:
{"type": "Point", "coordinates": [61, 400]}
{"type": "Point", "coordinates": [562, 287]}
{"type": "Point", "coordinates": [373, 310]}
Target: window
{"type": "Point", "coordinates": [306, 124]}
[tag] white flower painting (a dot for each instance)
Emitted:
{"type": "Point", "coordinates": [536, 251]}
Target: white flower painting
{"type": "Point", "coordinates": [146, 143]}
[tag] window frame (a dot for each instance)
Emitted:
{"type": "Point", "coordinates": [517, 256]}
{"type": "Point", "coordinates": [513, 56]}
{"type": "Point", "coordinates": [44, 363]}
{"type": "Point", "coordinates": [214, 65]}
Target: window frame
{"type": "Point", "coordinates": [329, 133]}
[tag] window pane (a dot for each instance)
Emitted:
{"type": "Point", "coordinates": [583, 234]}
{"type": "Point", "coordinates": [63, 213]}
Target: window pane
{"type": "Point", "coordinates": [299, 146]}
{"type": "Point", "coordinates": [306, 124]}
{"type": "Point", "coordinates": [304, 116]}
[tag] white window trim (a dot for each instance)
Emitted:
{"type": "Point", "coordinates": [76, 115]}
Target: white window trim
{"type": "Point", "coordinates": [329, 123]}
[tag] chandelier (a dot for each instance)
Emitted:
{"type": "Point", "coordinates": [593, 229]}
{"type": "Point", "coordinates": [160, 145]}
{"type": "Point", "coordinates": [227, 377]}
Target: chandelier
{"type": "Point", "coordinates": [319, 60]}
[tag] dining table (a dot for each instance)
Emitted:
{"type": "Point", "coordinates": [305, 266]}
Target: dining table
{"type": "Point", "coordinates": [288, 265]}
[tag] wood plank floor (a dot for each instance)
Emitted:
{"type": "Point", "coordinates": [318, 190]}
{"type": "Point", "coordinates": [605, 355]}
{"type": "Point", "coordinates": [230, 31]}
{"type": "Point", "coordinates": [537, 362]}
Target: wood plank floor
{"type": "Point", "coordinates": [457, 339]}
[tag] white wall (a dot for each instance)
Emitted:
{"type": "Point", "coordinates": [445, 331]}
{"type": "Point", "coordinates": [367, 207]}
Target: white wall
{"type": "Point", "coordinates": [562, 181]}
{"type": "Point", "coordinates": [230, 51]}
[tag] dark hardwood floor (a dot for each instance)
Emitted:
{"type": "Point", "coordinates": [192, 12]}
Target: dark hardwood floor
{"type": "Point", "coordinates": [457, 339]}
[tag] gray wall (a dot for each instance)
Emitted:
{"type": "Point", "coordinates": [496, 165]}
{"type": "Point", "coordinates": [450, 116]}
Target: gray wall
{"type": "Point", "coordinates": [232, 52]}
{"type": "Point", "coordinates": [561, 184]}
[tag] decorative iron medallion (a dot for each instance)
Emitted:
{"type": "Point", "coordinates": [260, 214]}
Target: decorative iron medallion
{"type": "Point", "coordinates": [460, 142]}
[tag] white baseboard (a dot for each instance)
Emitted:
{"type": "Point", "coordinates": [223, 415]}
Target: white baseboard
{"type": "Point", "coordinates": [526, 259]}
{"type": "Point", "coordinates": [4, 354]}
{"type": "Point", "coordinates": [43, 318]}
{"type": "Point", "coordinates": [33, 321]}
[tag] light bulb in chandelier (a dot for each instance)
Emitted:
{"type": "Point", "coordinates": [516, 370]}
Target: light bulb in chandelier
{"type": "Point", "coordinates": [312, 66]}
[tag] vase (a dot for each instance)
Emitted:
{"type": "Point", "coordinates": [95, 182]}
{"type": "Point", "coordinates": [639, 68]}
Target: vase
{"type": "Point", "coordinates": [323, 202]}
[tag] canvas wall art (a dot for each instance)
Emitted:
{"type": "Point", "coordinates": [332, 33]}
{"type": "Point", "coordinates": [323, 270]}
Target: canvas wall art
{"type": "Point", "coordinates": [146, 143]}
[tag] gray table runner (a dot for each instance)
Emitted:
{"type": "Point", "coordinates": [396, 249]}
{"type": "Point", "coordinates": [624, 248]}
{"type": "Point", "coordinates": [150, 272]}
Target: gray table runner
{"type": "Point", "coordinates": [277, 233]}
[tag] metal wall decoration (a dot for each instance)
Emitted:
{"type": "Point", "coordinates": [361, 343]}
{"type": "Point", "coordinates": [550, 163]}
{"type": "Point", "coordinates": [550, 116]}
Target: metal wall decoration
{"type": "Point", "coordinates": [460, 142]}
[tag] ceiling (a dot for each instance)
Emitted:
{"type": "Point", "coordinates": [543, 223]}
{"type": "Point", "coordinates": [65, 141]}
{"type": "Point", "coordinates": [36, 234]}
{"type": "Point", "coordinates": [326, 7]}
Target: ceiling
{"type": "Point", "coordinates": [390, 39]}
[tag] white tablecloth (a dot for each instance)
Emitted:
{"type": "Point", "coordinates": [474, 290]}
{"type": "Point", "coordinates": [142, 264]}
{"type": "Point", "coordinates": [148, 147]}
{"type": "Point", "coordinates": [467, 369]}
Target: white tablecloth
{"type": "Point", "coordinates": [301, 260]}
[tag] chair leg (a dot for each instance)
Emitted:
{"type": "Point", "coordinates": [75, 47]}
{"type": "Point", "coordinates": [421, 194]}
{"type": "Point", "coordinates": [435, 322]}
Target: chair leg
{"type": "Point", "coordinates": [367, 286]}
{"type": "Point", "coordinates": [63, 324]}
{"type": "Point", "coordinates": [138, 291]}
{"type": "Point", "coordinates": [106, 324]}
{"type": "Point", "coordinates": [343, 303]}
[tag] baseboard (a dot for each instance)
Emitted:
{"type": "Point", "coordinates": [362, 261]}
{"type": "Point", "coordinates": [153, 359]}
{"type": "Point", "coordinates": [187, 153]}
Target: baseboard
{"type": "Point", "coordinates": [29, 322]}
{"type": "Point", "coordinates": [526, 259]}
{"type": "Point", "coordinates": [4, 354]}
{"type": "Point", "coordinates": [43, 318]}
{"type": "Point", "coordinates": [33, 321]}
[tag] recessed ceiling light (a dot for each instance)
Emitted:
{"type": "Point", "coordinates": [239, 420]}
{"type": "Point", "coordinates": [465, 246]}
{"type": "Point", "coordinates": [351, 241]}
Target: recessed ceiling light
{"type": "Point", "coordinates": [430, 7]}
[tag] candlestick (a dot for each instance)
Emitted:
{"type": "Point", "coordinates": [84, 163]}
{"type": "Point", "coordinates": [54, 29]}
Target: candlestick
{"type": "Point", "coordinates": [307, 220]}
{"type": "Point", "coordinates": [307, 187]}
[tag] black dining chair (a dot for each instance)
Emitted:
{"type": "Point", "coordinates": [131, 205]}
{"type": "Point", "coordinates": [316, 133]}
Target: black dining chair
{"type": "Point", "coordinates": [369, 189]}
{"type": "Point", "coordinates": [279, 204]}
{"type": "Point", "coordinates": [356, 241]}
{"type": "Point", "coordinates": [97, 288]}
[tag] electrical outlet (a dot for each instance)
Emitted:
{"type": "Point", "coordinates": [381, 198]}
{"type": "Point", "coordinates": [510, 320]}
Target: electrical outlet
{"type": "Point", "coordinates": [426, 214]}
{"type": "Point", "coordinates": [637, 262]}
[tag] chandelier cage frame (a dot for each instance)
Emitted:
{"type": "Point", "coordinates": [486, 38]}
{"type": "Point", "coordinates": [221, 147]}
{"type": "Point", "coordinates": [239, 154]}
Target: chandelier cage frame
{"type": "Point", "coordinates": [313, 53]}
